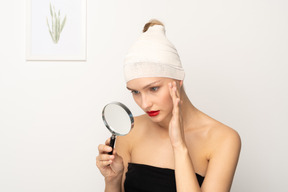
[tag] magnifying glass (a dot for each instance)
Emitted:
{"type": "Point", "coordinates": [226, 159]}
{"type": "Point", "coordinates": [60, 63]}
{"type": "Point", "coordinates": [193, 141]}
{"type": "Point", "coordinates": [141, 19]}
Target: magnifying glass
{"type": "Point", "coordinates": [118, 119]}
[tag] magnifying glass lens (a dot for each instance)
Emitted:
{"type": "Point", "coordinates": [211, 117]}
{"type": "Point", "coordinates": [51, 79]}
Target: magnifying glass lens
{"type": "Point", "coordinates": [117, 119]}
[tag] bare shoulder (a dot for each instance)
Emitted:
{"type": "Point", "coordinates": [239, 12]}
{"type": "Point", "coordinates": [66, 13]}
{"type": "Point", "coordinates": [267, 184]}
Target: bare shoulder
{"type": "Point", "coordinates": [222, 153]}
{"type": "Point", "coordinates": [128, 139]}
{"type": "Point", "coordinates": [139, 121]}
{"type": "Point", "coordinates": [222, 136]}
{"type": "Point", "coordinates": [220, 131]}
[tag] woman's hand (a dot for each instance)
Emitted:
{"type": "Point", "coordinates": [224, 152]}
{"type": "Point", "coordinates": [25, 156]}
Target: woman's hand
{"type": "Point", "coordinates": [110, 166]}
{"type": "Point", "coordinates": [176, 131]}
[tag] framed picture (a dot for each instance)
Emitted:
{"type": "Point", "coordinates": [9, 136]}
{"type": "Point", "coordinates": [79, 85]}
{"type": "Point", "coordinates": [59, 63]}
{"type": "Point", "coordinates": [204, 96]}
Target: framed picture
{"type": "Point", "coordinates": [56, 30]}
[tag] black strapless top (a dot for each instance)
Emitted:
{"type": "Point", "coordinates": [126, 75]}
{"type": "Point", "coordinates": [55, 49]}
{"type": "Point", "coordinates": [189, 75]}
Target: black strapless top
{"type": "Point", "coordinates": [146, 178]}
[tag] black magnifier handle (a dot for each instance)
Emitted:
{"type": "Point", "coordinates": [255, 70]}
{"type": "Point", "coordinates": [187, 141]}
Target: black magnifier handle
{"type": "Point", "coordinates": [112, 142]}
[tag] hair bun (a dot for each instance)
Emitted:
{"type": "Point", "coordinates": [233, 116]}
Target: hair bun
{"type": "Point", "coordinates": [151, 23]}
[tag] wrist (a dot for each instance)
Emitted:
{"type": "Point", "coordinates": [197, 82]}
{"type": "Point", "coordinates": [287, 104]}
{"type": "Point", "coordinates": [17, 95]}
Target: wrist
{"type": "Point", "coordinates": [113, 179]}
{"type": "Point", "coordinates": [113, 183]}
{"type": "Point", "coordinates": [180, 147]}
{"type": "Point", "coordinates": [180, 152]}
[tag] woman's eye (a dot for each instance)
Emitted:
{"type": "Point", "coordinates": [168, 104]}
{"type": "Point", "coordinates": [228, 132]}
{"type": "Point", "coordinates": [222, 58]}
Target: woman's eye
{"type": "Point", "coordinates": [135, 92]}
{"type": "Point", "coordinates": [154, 89]}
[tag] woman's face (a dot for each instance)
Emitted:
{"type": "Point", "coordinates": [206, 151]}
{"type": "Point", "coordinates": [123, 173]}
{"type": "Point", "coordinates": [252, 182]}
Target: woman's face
{"type": "Point", "coordinates": [152, 95]}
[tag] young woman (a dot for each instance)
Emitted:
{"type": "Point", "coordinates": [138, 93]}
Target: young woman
{"type": "Point", "coordinates": [173, 146]}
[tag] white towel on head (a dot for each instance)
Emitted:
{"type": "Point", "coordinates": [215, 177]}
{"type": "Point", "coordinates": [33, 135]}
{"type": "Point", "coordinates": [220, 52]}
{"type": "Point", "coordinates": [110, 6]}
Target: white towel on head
{"type": "Point", "coordinates": [153, 55]}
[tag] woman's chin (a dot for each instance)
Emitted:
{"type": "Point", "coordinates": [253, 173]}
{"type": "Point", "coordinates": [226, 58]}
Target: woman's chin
{"type": "Point", "coordinates": [160, 119]}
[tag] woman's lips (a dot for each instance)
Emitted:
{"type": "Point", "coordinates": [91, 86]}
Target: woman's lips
{"type": "Point", "coordinates": [153, 113]}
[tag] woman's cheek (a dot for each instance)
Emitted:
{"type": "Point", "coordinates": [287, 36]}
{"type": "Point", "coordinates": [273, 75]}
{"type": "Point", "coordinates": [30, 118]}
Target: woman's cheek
{"type": "Point", "coordinates": [137, 100]}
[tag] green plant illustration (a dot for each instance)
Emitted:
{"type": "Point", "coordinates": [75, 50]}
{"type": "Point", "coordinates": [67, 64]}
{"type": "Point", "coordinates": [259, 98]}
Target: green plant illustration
{"type": "Point", "coordinates": [56, 24]}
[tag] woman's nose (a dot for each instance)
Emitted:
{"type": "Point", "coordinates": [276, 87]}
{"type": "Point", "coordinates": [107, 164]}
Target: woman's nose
{"type": "Point", "coordinates": [145, 102]}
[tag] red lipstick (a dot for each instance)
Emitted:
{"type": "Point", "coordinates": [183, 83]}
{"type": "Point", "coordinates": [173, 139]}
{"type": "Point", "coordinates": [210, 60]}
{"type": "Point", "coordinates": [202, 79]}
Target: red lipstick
{"type": "Point", "coordinates": [153, 113]}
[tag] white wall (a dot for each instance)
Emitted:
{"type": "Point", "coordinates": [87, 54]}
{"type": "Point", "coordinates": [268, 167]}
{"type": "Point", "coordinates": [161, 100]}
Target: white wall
{"type": "Point", "coordinates": [235, 57]}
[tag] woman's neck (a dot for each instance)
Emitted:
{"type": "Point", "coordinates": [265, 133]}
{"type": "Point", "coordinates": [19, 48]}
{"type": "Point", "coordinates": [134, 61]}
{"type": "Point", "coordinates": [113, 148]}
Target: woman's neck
{"type": "Point", "coordinates": [189, 113]}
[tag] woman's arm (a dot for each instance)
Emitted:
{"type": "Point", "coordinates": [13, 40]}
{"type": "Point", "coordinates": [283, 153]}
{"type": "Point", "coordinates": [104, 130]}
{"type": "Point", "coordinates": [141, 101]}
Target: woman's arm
{"type": "Point", "coordinates": [184, 171]}
{"type": "Point", "coordinates": [223, 159]}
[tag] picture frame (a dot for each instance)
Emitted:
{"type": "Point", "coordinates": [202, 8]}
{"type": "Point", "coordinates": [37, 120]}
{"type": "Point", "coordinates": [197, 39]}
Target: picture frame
{"type": "Point", "coordinates": [56, 30]}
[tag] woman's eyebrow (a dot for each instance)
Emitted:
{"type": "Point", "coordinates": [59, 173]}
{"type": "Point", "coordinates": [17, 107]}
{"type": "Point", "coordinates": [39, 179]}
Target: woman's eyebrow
{"type": "Point", "coordinates": [129, 89]}
{"type": "Point", "coordinates": [150, 84]}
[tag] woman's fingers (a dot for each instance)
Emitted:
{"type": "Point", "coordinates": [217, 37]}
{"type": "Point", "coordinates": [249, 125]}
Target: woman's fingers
{"type": "Point", "coordinates": [104, 159]}
{"type": "Point", "coordinates": [175, 126]}
{"type": "Point", "coordinates": [103, 152]}
{"type": "Point", "coordinates": [174, 92]}
{"type": "Point", "coordinates": [104, 148]}
{"type": "Point", "coordinates": [103, 163]}
{"type": "Point", "coordinates": [107, 142]}
{"type": "Point", "coordinates": [177, 93]}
